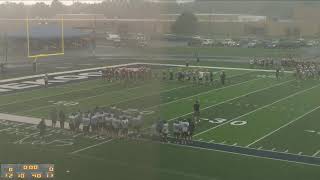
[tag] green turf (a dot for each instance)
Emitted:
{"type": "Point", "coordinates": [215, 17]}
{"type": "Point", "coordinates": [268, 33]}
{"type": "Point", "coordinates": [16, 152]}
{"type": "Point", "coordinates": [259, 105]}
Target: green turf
{"type": "Point", "coordinates": [144, 160]}
{"type": "Point", "coordinates": [263, 102]}
{"type": "Point", "coordinates": [306, 127]}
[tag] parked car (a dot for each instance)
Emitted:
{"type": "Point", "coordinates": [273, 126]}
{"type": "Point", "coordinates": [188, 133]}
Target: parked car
{"type": "Point", "coordinates": [229, 43]}
{"type": "Point", "coordinates": [207, 42]}
{"type": "Point", "coordinates": [195, 41]}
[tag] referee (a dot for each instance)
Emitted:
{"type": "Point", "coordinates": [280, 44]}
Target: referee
{"type": "Point", "coordinates": [196, 111]}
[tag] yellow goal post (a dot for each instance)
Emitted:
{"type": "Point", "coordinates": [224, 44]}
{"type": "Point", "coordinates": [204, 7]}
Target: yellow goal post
{"type": "Point", "coordinates": [36, 56]}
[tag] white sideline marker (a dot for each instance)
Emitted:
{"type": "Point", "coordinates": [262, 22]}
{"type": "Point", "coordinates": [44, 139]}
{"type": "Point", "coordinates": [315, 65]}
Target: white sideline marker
{"type": "Point", "coordinates": [83, 149]}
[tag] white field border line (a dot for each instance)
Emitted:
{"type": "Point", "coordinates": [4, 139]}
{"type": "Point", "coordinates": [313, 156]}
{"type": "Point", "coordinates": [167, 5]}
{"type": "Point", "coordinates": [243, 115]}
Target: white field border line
{"type": "Point", "coordinates": [37, 89]}
{"type": "Point", "coordinates": [283, 126]}
{"type": "Point", "coordinates": [130, 99]}
{"type": "Point", "coordinates": [92, 146]}
{"type": "Point", "coordinates": [234, 98]}
{"type": "Point", "coordinates": [129, 64]}
{"type": "Point", "coordinates": [248, 155]}
{"type": "Point", "coordinates": [65, 72]}
{"type": "Point", "coordinates": [211, 67]}
{"type": "Point", "coordinates": [279, 100]}
{"type": "Point", "coordinates": [260, 148]}
{"type": "Point", "coordinates": [206, 92]}
{"type": "Point", "coordinates": [78, 90]}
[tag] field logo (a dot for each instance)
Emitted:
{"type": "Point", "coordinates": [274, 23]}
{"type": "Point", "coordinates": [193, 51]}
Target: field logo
{"type": "Point", "coordinates": [16, 86]}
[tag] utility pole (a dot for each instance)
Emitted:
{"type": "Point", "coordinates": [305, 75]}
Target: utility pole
{"type": "Point", "coordinates": [5, 47]}
{"type": "Point", "coordinates": [5, 53]}
{"type": "Point", "coordinates": [94, 34]}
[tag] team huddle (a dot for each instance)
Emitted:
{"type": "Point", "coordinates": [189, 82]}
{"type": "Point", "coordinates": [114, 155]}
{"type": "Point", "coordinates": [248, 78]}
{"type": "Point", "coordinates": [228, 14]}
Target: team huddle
{"type": "Point", "coordinates": [182, 130]}
{"type": "Point", "coordinates": [126, 73]}
{"type": "Point", "coordinates": [196, 76]}
{"type": "Point", "coordinates": [307, 70]}
{"type": "Point", "coordinates": [271, 62]}
{"type": "Point", "coordinates": [116, 122]}
{"type": "Point", "coordinates": [111, 121]}
{"type": "Point", "coordinates": [145, 73]}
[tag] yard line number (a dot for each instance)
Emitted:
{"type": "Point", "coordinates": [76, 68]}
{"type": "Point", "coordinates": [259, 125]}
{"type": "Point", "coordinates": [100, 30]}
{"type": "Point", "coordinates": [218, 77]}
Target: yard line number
{"type": "Point", "coordinates": [222, 120]}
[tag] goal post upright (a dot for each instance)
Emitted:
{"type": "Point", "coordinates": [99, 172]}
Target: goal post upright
{"type": "Point", "coordinates": [36, 56]}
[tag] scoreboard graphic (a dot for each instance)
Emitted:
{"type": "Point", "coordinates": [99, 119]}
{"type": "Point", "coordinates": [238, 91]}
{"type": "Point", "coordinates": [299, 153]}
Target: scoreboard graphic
{"type": "Point", "coordinates": [27, 171]}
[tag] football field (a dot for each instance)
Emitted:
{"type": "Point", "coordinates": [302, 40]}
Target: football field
{"type": "Point", "coordinates": [272, 126]}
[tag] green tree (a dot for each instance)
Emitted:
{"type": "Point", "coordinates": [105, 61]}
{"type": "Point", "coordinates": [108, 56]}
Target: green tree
{"type": "Point", "coordinates": [57, 7]}
{"type": "Point", "coordinates": [186, 24]}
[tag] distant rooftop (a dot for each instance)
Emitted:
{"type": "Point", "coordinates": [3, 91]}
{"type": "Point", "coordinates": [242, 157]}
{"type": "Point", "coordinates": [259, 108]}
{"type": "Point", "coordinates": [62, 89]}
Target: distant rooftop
{"type": "Point", "coordinates": [215, 17]}
{"type": "Point", "coordinates": [48, 32]}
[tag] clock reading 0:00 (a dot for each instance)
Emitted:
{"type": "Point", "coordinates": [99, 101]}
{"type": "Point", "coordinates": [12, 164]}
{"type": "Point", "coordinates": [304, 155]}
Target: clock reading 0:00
{"type": "Point", "coordinates": [30, 167]}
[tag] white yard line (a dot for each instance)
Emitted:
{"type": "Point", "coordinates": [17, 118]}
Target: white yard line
{"type": "Point", "coordinates": [64, 72]}
{"type": "Point", "coordinates": [283, 126]}
{"type": "Point", "coordinates": [128, 64]}
{"type": "Point", "coordinates": [202, 93]}
{"type": "Point", "coordinates": [265, 106]}
{"type": "Point", "coordinates": [81, 99]}
{"type": "Point", "coordinates": [110, 92]}
{"type": "Point", "coordinates": [248, 112]}
{"type": "Point", "coordinates": [315, 154]}
{"type": "Point", "coordinates": [92, 146]}
{"type": "Point", "coordinates": [130, 99]}
{"type": "Point", "coordinates": [48, 122]}
{"type": "Point", "coordinates": [230, 99]}
{"type": "Point", "coordinates": [217, 103]}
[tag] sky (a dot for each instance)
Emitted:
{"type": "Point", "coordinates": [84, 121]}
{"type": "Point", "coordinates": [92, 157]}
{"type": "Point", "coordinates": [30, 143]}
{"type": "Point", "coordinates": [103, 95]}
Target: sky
{"type": "Point", "coordinates": [66, 2]}
{"type": "Point", "coordinates": [69, 2]}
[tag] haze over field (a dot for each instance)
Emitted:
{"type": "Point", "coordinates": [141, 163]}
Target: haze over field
{"type": "Point", "coordinates": [66, 2]}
